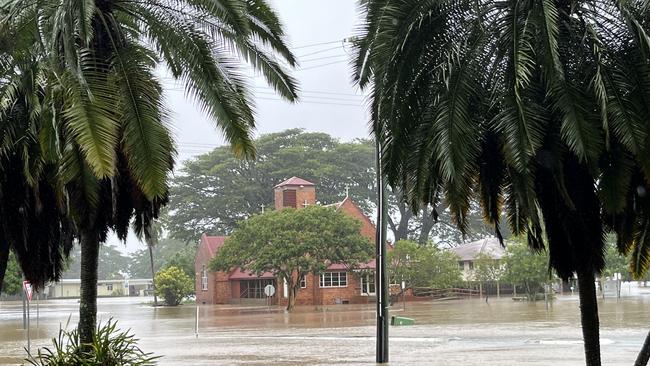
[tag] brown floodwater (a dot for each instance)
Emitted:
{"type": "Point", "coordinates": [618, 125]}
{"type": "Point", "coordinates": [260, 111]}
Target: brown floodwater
{"type": "Point", "coordinates": [466, 332]}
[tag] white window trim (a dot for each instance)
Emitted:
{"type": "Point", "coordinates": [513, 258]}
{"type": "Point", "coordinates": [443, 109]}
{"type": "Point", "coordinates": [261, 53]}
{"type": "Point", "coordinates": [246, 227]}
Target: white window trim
{"type": "Point", "coordinates": [322, 280]}
{"type": "Point", "coordinates": [303, 279]}
{"type": "Point", "coordinates": [204, 279]}
{"type": "Point", "coordinates": [365, 284]}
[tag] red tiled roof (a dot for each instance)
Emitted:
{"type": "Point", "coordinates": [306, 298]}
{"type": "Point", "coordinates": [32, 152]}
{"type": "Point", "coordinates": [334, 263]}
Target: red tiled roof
{"type": "Point", "coordinates": [341, 267]}
{"type": "Point", "coordinates": [295, 181]}
{"type": "Point", "coordinates": [337, 205]}
{"type": "Point", "coordinates": [213, 243]}
{"type": "Point", "coordinates": [238, 274]}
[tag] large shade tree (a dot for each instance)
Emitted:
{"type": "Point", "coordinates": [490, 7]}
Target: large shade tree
{"type": "Point", "coordinates": [536, 107]}
{"type": "Point", "coordinates": [292, 243]}
{"type": "Point", "coordinates": [116, 151]}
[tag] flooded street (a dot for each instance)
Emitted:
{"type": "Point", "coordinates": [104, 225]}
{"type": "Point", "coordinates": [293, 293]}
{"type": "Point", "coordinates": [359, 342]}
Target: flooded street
{"type": "Point", "coordinates": [467, 332]}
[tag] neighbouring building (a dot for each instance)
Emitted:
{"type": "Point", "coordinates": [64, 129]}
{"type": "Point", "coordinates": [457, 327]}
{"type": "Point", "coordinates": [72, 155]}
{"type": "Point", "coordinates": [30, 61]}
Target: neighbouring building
{"type": "Point", "coordinates": [335, 286]}
{"type": "Point", "coordinates": [468, 252]}
{"type": "Point", "coordinates": [70, 288]}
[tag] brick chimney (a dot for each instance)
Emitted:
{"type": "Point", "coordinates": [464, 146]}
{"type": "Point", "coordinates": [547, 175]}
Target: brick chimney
{"type": "Point", "coordinates": [294, 192]}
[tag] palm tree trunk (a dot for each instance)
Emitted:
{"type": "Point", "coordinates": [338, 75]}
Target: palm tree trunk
{"type": "Point", "coordinates": [88, 294]}
{"type": "Point", "coordinates": [4, 259]}
{"type": "Point", "coordinates": [153, 276]}
{"type": "Point", "coordinates": [644, 354]}
{"type": "Point", "coordinates": [589, 318]}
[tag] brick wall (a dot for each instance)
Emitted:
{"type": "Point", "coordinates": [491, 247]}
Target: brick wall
{"type": "Point", "coordinates": [222, 291]}
{"type": "Point", "coordinates": [202, 259]}
{"type": "Point", "coordinates": [303, 194]}
{"type": "Point", "coordinates": [367, 227]}
{"type": "Point", "coordinates": [313, 294]}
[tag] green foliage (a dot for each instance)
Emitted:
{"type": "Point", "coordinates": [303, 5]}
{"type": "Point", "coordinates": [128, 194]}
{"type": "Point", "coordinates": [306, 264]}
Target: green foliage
{"type": "Point", "coordinates": [102, 119]}
{"type": "Point", "coordinates": [487, 269]}
{"type": "Point", "coordinates": [422, 266]}
{"type": "Point", "coordinates": [183, 259]}
{"type": "Point", "coordinates": [112, 264]}
{"type": "Point", "coordinates": [173, 285]}
{"type": "Point", "coordinates": [615, 262]}
{"type": "Point", "coordinates": [293, 242]}
{"type": "Point", "coordinates": [13, 282]}
{"type": "Point", "coordinates": [526, 269]}
{"type": "Point", "coordinates": [110, 347]}
{"type": "Point", "coordinates": [534, 107]}
{"type": "Point", "coordinates": [167, 252]}
{"type": "Point", "coordinates": [217, 190]}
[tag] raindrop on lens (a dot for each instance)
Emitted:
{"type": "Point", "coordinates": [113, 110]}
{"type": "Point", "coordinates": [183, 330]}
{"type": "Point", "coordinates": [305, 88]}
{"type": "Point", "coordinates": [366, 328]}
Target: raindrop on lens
{"type": "Point", "coordinates": [640, 191]}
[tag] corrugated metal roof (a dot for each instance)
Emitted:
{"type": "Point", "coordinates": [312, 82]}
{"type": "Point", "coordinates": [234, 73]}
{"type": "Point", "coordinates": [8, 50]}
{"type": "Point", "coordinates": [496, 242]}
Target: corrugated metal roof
{"type": "Point", "coordinates": [490, 246]}
{"type": "Point", "coordinates": [295, 181]}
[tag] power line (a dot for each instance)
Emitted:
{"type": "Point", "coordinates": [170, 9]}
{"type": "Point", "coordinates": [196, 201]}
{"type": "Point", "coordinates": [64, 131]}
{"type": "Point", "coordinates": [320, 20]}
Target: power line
{"type": "Point", "coordinates": [317, 44]}
{"type": "Point", "coordinates": [320, 51]}
{"type": "Point", "coordinates": [323, 58]}
{"type": "Point", "coordinates": [307, 94]}
{"type": "Point", "coordinates": [321, 65]}
{"type": "Point", "coordinates": [313, 102]}
{"type": "Point", "coordinates": [312, 97]}
{"type": "Point", "coordinates": [311, 91]}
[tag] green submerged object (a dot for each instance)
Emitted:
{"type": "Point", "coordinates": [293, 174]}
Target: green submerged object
{"type": "Point", "coordinates": [400, 320]}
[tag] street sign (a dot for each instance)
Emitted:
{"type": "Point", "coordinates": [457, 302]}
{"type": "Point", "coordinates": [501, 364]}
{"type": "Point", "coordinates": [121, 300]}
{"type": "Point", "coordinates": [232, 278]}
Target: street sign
{"type": "Point", "coordinates": [27, 287]}
{"type": "Point", "coordinates": [269, 290]}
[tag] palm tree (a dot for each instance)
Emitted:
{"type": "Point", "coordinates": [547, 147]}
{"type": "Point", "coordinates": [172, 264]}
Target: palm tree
{"type": "Point", "coordinates": [29, 192]}
{"type": "Point", "coordinates": [117, 148]}
{"type": "Point", "coordinates": [537, 108]}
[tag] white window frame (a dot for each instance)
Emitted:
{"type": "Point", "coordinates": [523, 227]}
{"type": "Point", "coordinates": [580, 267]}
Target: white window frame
{"type": "Point", "coordinates": [204, 279]}
{"type": "Point", "coordinates": [334, 277]}
{"type": "Point", "coordinates": [303, 281]}
{"type": "Point", "coordinates": [365, 284]}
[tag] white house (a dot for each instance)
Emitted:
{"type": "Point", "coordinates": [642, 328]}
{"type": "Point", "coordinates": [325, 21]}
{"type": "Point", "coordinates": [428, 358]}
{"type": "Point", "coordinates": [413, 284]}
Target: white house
{"type": "Point", "coordinates": [469, 251]}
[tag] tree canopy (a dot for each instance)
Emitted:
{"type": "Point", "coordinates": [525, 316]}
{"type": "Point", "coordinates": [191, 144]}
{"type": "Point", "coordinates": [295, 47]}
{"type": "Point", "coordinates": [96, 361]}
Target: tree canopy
{"type": "Point", "coordinates": [13, 282]}
{"type": "Point", "coordinates": [536, 108]}
{"type": "Point", "coordinates": [291, 243]}
{"type": "Point", "coordinates": [526, 268]}
{"type": "Point", "coordinates": [422, 266]}
{"type": "Point", "coordinates": [105, 123]}
{"type": "Point", "coordinates": [173, 284]}
{"type": "Point", "coordinates": [487, 269]}
{"type": "Point", "coordinates": [215, 191]}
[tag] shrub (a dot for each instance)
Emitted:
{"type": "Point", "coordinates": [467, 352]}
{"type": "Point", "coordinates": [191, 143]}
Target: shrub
{"type": "Point", "coordinates": [173, 285]}
{"type": "Point", "coordinates": [111, 347]}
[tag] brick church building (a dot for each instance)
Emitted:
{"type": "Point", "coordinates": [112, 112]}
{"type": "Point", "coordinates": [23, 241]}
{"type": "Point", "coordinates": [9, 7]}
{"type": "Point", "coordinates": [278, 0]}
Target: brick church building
{"type": "Point", "coordinates": [335, 286]}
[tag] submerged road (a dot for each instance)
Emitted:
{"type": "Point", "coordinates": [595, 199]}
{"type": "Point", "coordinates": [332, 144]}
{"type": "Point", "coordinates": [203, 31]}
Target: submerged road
{"type": "Point", "coordinates": [467, 332]}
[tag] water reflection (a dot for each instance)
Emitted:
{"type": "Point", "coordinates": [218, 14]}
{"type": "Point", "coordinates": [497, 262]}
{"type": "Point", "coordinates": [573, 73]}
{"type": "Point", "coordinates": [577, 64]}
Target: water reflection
{"type": "Point", "coordinates": [500, 332]}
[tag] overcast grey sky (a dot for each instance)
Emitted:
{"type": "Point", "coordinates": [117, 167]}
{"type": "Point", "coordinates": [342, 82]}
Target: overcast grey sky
{"type": "Point", "coordinates": [329, 101]}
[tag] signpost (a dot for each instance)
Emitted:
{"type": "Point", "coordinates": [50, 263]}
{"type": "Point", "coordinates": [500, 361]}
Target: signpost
{"type": "Point", "coordinates": [196, 327]}
{"type": "Point", "coordinates": [269, 291]}
{"type": "Point", "coordinates": [27, 289]}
